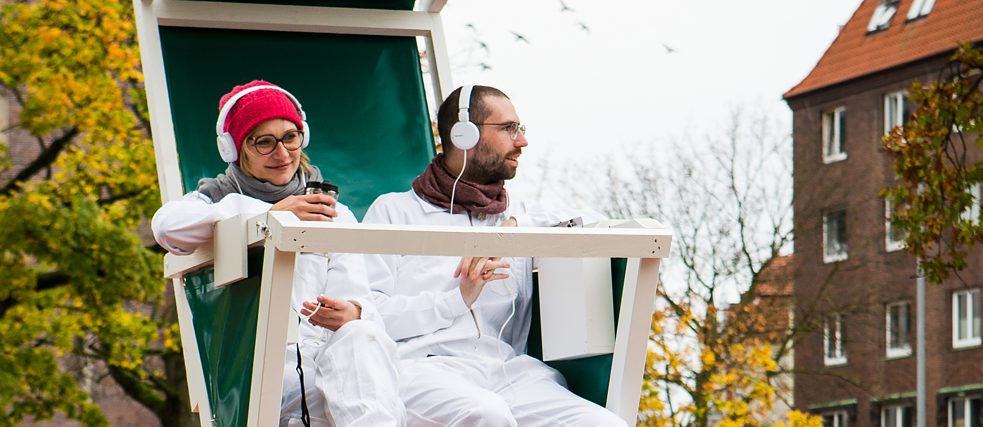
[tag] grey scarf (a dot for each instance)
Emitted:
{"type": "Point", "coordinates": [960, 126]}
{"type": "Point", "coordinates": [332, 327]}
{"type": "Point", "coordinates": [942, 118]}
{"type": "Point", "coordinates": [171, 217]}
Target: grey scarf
{"type": "Point", "coordinates": [224, 184]}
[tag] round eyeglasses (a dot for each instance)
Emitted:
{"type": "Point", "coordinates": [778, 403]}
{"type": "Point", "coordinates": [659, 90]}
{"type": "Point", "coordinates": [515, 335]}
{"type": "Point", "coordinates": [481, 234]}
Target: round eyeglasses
{"type": "Point", "coordinates": [513, 128]}
{"type": "Point", "coordinates": [266, 144]}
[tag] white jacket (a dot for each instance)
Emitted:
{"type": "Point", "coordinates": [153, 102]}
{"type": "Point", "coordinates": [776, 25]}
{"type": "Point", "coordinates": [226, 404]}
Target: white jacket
{"type": "Point", "coordinates": [420, 300]}
{"type": "Point", "coordinates": [350, 374]}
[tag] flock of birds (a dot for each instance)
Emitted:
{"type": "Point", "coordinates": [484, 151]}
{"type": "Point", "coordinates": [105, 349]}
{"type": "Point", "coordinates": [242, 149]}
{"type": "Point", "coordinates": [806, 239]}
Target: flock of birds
{"type": "Point", "coordinates": [520, 38]}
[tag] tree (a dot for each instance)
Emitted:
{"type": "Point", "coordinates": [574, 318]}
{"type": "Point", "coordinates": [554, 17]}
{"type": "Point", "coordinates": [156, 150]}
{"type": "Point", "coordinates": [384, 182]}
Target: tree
{"type": "Point", "coordinates": [936, 170]}
{"type": "Point", "coordinates": [78, 284]}
{"type": "Point", "coordinates": [730, 206]}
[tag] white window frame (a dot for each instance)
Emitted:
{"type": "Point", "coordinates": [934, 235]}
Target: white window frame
{"type": "Point", "coordinates": [839, 357]}
{"type": "Point", "coordinates": [832, 135]}
{"type": "Point", "coordinates": [967, 406]}
{"type": "Point", "coordinates": [972, 213]}
{"type": "Point", "coordinates": [897, 117]}
{"type": "Point", "coordinates": [890, 244]}
{"type": "Point", "coordinates": [899, 413]}
{"type": "Point", "coordinates": [881, 18]}
{"type": "Point", "coordinates": [905, 349]}
{"type": "Point", "coordinates": [920, 8]}
{"type": "Point", "coordinates": [829, 257]}
{"type": "Point", "coordinates": [972, 301]}
{"type": "Point", "coordinates": [840, 419]}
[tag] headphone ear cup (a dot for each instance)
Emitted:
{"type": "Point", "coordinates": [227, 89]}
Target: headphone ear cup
{"type": "Point", "coordinates": [227, 148]}
{"type": "Point", "coordinates": [465, 135]}
{"type": "Point", "coordinates": [307, 133]}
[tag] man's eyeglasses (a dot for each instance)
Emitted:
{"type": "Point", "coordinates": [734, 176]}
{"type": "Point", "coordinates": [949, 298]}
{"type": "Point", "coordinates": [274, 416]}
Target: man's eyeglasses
{"type": "Point", "coordinates": [265, 144]}
{"type": "Point", "coordinates": [513, 128]}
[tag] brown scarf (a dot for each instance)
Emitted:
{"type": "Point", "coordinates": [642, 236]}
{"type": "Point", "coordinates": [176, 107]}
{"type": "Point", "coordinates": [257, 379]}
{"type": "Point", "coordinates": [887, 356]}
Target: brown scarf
{"type": "Point", "coordinates": [436, 182]}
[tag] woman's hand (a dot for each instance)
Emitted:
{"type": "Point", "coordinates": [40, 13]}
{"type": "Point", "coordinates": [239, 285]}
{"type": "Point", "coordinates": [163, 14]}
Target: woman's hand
{"type": "Point", "coordinates": [309, 207]}
{"type": "Point", "coordinates": [333, 314]}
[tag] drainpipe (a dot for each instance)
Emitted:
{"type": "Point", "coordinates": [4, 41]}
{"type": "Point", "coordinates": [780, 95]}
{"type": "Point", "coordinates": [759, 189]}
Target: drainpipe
{"type": "Point", "coordinates": [920, 407]}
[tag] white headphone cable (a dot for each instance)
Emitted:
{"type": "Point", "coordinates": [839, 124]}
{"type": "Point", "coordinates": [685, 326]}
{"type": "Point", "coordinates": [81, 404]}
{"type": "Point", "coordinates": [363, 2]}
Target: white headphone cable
{"type": "Point", "coordinates": [459, 175]}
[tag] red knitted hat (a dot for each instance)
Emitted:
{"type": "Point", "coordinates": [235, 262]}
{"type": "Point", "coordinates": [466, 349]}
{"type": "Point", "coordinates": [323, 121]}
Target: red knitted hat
{"type": "Point", "coordinates": [255, 108]}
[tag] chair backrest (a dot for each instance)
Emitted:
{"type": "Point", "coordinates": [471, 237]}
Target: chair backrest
{"type": "Point", "coordinates": [370, 134]}
{"type": "Point", "coordinates": [364, 98]}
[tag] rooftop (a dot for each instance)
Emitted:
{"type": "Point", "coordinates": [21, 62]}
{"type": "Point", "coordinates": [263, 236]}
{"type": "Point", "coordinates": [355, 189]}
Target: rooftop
{"type": "Point", "coordinates": [906, 33]}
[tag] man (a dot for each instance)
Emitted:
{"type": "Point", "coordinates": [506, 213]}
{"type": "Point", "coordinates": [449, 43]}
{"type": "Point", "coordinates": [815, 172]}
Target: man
{"type": "Point", "coordinates": [461, 325]}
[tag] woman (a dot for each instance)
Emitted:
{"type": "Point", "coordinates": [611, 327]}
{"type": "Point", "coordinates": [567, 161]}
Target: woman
{"type": "Point", "coordinates": [348, 360]}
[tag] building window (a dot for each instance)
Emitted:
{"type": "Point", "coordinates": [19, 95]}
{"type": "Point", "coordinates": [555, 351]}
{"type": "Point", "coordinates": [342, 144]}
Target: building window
{"type": "Point", "coordinates": [896, 416]}
{"type": "Point", "coordinates": [898, 323]}
{"type": "Point", "coordinates": [920, 8]}
{"type": "Point", "coordinates": [896, 110]}
{"type": "Point", "coordinates": [834, 236]}
{"type": "Point", "coordinates": [881, 18]}
{"type": "Point", "coordinates": [835, 419]}
{"type": "Point", "coordinates": [964, 412]}
{"type": "Point", "coordinates": [834, 135]}
{"type": "Point", "coordinates": [966, 318]}
{"type": "Point", "coordinates": [893, 236]}
{"type": "Point", "coordinates": [972, 212]}
{"type": "Point", "coordinates": [833, 333]}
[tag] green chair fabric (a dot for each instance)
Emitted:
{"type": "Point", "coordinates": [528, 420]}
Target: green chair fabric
{"type": "Point", "coordinates": [225, 325]}
{"type": "Point", "coordinates": [358, 4]}
{"type": "Point", "coordinates": [363, 95]}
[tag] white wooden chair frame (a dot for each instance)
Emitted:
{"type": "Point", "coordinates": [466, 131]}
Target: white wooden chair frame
{"type": "Point", "coordinates": [284, 235]}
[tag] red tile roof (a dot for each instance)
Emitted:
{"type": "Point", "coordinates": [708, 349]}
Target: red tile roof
{"type": "Point", "coordinates": [775, 278]}
{"type": "Point", "coordinates": [855, 53]}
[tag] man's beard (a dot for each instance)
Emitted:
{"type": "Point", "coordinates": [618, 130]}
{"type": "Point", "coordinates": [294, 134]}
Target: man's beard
{"type": "Point", "coordinates": [485, 167]}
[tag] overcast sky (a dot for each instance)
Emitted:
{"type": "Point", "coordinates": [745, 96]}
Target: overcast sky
{"type": "Point", "coordinates": [614, 84]}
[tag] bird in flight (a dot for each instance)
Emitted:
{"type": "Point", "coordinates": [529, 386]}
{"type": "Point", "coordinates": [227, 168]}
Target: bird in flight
{"type": "Point", "coordinates": [564, 7]}
{"type": "Point", "coordinates": [668, 49]}
{"type": "Point", "coordinates": [520, 37]}
{"type": "Point", "coordinates": [583, 27]}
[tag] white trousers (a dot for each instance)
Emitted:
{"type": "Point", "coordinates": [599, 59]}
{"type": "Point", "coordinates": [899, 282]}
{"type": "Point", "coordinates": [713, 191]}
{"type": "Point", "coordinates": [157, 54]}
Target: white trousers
{"type": "Point", "coordinates": [474, 392]}
{"type": "Point", "coordinates": [350, 380]}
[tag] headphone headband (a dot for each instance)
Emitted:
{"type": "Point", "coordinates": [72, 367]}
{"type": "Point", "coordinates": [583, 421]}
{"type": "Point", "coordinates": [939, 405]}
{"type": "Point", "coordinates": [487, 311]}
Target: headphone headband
{"type": "Point", "coordinates": [464, 104]}
{"type": "Point", "coordinates": [227, 146]}
{"type": "Point", "coordinates": [464, 134]}
{"type": "Point", "coordinates": [227, 108]}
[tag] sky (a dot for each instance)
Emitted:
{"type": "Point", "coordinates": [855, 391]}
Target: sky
{"type": "Point", "coordinates": [615, 85]}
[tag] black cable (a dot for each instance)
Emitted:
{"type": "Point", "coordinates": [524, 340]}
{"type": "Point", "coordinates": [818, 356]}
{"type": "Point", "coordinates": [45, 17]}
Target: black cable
{"type": "Point", "coordinates": [305, 414]}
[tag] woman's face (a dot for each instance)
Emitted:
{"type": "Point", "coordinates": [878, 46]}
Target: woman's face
{"type": "Point", "coordinates": [277, 167]}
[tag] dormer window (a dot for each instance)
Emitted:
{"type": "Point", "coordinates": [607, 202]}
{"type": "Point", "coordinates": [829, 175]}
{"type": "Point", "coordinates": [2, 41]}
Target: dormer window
{"type": "Point", "coordinates": [920, 8]}
{"type": "Point", "coordinates": [881, 18]}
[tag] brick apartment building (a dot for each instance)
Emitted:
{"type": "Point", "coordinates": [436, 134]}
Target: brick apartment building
{"type": "Point", "coordinates": [859, 367]}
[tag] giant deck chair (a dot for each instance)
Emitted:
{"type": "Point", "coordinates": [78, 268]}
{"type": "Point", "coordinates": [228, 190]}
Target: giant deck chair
{"type": "Point", "coordinates": [355, 66]}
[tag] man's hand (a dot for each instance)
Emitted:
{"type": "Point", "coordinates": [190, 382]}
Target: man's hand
{"type": "Point", "coordinates": [475, 272]}
{"type": "Point", "coordinates": [333, 314]}
{"type": "Point", "coordinates": [309, 207]}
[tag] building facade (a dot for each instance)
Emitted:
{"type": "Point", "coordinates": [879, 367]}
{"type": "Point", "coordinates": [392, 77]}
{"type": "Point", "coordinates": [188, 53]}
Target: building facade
{"type": "Point", "coordinates": [857, 367]}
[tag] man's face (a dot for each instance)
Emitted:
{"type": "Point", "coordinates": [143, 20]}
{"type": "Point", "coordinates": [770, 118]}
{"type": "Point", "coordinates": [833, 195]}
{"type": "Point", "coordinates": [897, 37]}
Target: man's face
{"type": "Point", "coordinates": [496, 157]}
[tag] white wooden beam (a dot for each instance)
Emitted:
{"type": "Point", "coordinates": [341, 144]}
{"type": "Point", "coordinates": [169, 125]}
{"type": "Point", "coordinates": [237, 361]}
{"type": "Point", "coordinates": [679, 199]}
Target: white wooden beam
{"type": "Point", "coordinates": [292, 234]}
{"type": "Point", "coordinates": [271, 336]}
{"type": "Point", "coordinates": [631, 339]}
{"type": "Point", "coordinates": [312, 19]}
{"type": "Point", "coordinates": [434, 6]}
{"type": "Point", "coordinates": [197, 392]}
{"type": "Point", "coordinates": [158, 101]}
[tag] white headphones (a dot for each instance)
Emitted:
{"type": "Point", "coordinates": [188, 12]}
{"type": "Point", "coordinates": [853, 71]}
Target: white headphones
{"type": "Point", "coordinates": [464, 134]}
{"type": "Point", "coordinates": [227, 144]}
